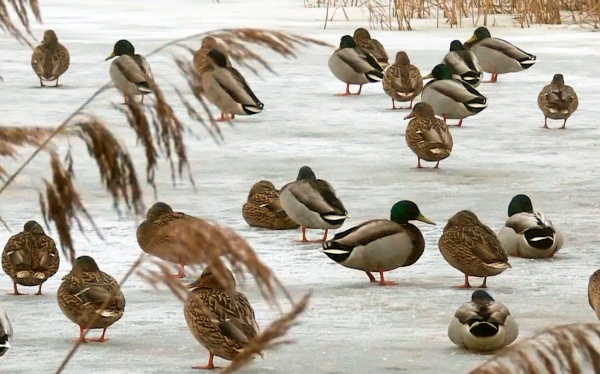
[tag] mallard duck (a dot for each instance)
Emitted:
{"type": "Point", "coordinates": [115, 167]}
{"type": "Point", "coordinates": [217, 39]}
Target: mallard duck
{"type": "Point", "coordinates": [402, 81]}
{"type": "Point", "coordinates": [557, 100]}
{"type": "Point", "coordinates": [497, 56]}
{"type": "Point", "coordinates": [30, 257]}
{"type": "Point", "coordinates": [528, 233]}
{"type": "Point", "coordinates": [472, 247]}
{"type": "Point", "coordinates": [594, 292]}
{"type": "Point", "coordinates": [226, 88]}
{"type": "Point", "coordinates": [130, 72]}
{"type": "Point", "coordinates": [427, 136]}
{"type": "Point", "coordinates": [201, 56]}
{"type": "Point", "coordinates": [50, 59]}
{"type": "Point", "coordinates": [380, 245]}
{"type": "Point", "coordinates": [353, 65]}
{"type": "Point", "coordinates": [312, 203]}
{"type": "Point", "coordinates": [451, 98]}
{"type": "Point", "coordinates": [373, 46]}
{"type": "Point", "coordinates": [219, 317]}
{"type": "Point", "coordinates": [464, 64]}
{"type": "Point", "coordinates": [6, 333]}
{"type": "Point", "coordinates": [263, 208]}
{"type": "Point", "coordinates": [483, 324]}
{"type": "Point", "coordinates": [83, 294]}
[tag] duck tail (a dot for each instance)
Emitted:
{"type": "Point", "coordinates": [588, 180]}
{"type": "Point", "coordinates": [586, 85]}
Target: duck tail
{"type": "Point", "coordinates": [528, 61]}
{"type": "Point", "coordinates": [540, 237]}
{"type": "Point", "coordinates": [252, 109]}
{"type": "Point", "coordinates": [483, 329]}
{"type": "Point", "coordinates": [336, 251]}
{"type": "Point", "coordinates": [144, 87]}
{"type": "Point", "coordinates": [471, 77]}
{"type": "Point", "coordinates": [476, 105]}
{"type": "Point", "coordinates": [374, 76]}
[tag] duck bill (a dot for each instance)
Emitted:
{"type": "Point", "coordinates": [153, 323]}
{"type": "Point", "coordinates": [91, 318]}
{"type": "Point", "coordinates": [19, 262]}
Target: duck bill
{"type": "Point", "coordinates": [112, 55]}
{"type": "Point", "coordinates": [428, 76]}
{"type": "Point", "coordinates": [422, 218]}
{"type": "Point", "coordinates": [471, 39]}
{"type": "Point", "coordinates": [410, 115]}
{"type": "Point", "coordinates": [195, 284]}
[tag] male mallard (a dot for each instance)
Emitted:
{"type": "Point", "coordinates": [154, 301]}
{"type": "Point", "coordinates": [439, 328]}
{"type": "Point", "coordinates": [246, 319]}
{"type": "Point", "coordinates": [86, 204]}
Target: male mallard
{"type": "Point", "coordinates": [263, 208]}
{"type": "Point", "coordinates": [380, 245]}
{"type": "Point", "coordinates": [354, 65]}
{"type": "Point", "coordinates": [427, 136]}
{"type": "Point", "coordinates": [402, 81]}
{"type": "Point", "coordinates": [30, 257]}
{"type": "Point", "coordinates": [483, 324]}
{"type": "Point", "coordinates": [451, 98]}
{"type": "Point", "coordinates": [90, 298]}
{"type": "Point", "coordinates": [464, 64]}
{"type": "Point", "coordinates": [219, 317]}
{"type": "Point", "coordinates": [226, 88]}
{"type": "Point", "coordinates": [528, 233]}
{"type": "Point", "coordinates": [201, 56]}
{"type": "Point", "coordinates": [6, 332]}
{"type": "Point", "coordinates": [373, 46]}
{"type": "Point", "coordinates": [557, 100]}
{"type": "Point", "coordinates": [472, 247]}
{"type": "Point", "coordinates": [497, 56]}
{"type": "Point", "coordinates": [50, 59]}
{"type": "Point", "coordinates": [594, 292]}
{"type": "Point", "coordinates": [130, 72]}
{"type": "Point", "coordinates": [312, 203]}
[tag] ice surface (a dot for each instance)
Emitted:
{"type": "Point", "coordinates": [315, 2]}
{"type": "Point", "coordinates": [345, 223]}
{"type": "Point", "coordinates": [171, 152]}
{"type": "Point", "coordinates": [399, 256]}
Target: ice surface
{"type": "Point", "coordinates": [355, 143]}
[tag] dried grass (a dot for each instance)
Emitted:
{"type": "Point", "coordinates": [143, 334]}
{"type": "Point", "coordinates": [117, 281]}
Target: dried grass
{"type": "Point", "coordinates": [22, 9]}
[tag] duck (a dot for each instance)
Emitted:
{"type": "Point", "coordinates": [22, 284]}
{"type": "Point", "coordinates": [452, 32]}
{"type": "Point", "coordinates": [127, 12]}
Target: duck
{"type": "Point", "coordinates": [200, 59]}
{"type": "Point", "coordinates": [402, 81]}
{"type": "Point", "coordinates": [218, 316]}
{"type": "Point", "coordinates": [557, 101]}
{"type": "Point", "coordinates": [497, 56]}
{"type": "Point", "coordinates": [82, 294]}
{"type": "Point", "coordinates": [6, 332]}
{"type": "Point", "coordinates": [472, 248]}
{"type": "Point", "coordinates": [381, 245]}
{"type": "Point", "coordinates": [354, 65]}
{"type": "Point", "coordinates": [594, 292]}
{"type": "Point", "coordinates": [312, 203]}
{"type": "Point", "coordinates": [226, 88]}
{"type": "Point", "coordinates": [528, 233]}
{"type": "Point", "coordinates": [263, 208]}
{"type": "Point", "coordinates": [30, 257]}
{"type": "Point", "coordinates": [464, 64]}
{"type": "Point", "coordinates": [50, 59]}
{"type": "Point", "coordinates": [130, 72]}
{"type": "Point", "coordinates": [451, 98]}
{"type": "Point", "coordinates": [483, 324]}
{"type": "Point", "coordinates": [427, 136]}
{"type": "Point", "coordinates": [373, 46]}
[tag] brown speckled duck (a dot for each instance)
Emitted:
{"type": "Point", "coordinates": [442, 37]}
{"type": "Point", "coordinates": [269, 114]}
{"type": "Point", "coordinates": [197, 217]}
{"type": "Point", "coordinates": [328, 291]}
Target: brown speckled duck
{"type": "Point", "coordinates": [373, 46]}
{"type": "Point", "coordinates": [30, 257]}
{"type": "Point", "coordinates": [201, 55]}
{"type": "Point", "coordinates": [557, 101]}
{"type": "Point", "coordinates": [472, 247]}
{"type": "Point", "coordinates": [219, 317]}
{"type": "Point", "coordinates": [263, 208]}
{"type": "Point", "coordinates": [402, 81]}
{"type": "Point", "coordinates": [82, 294]}
{"type": "Point", "coordinates": [427, 136]}
{"type": "Point", "coordinates": [50, 59]}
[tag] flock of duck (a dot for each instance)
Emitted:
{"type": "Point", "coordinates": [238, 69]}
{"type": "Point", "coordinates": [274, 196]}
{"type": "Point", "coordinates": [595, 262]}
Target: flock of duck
{"type": "Point", "coordinates": [222, 319]}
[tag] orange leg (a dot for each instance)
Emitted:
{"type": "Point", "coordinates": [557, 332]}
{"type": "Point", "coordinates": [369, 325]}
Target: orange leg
{"type": "Point", "coordinates": [223, 117]}
{"type": "Point", "coordinates": [209, 366]}
{"type": "Point", "coordinates": [444, 117]}
{"type": "Point", "coordinates": [180, 272]}
{"type": "Point", "coordinates": [419, 163]}
{"type": "Point", "coordinates": [459, 123]}
{"type": "Point", "coordinates": [483, 285]}
{"type": "Point", "coordinates": [347, 93]}
{"type": "Point", "coordinates": [371, 277]}
{"type": "Point", "coordinates": [303, 234]}
{"type": "Point", "coordinates": [493, 79]}
{"type": "Point", "coordinates": [359, 90]}
{"type": "Point", "coordinates": [39, 290]}
{"type": "Point", "coordinates": [101, 339]}
{"type": "Point", "coordinates": [383, 282]}
{"type": "Point", "coordinates": [81, 337]}
{"type": "Point", "coordinates": [15, 291]}
{"type": "Point", "coordinates": [466, 285]}
{"type": "Point", "coordinates": [324, 236]}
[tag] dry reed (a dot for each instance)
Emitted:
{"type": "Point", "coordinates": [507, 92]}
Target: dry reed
{"type": "Point", "coordinates": [21, 9]}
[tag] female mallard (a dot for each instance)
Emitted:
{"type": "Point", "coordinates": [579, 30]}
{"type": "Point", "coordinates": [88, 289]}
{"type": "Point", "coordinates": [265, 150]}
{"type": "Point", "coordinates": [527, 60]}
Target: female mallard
{"type": "Point", "coordinates": [451, 98]}
{"type": "Point", "coordinates": [402, 81]}
{"type": "Point", "coordinates": [483, 324]}
{"type": "Point", "coordinates": [263, 208]}
{"type": "Point", "coordinates": [497, 56]}
{"type": "Point", "coordinates": [219, 317]}
{"type": "Point", "coordinates": [50, 59]}
{"type": "Point", "coordinates": [30, 257]}
{"type": "Point", "coordinates": [373, 46]}
{"type": "Point", "coordinates": [464, 64]}
{"type": "Point", "coordinates": [528, 233]}
{"type": "Point", "coordinates": [130, 72]}
{"type": "Point", "coordinates": [353, 65]}
{"type": "Point", "coordinates": [471, 247]}
{"type": "Point", "coordinates": [312, 203]}
{"type": "Point", "coordinates": [226, 88]}
{"type": "Point", "coordinates": [427, 136]}
{"type": "Point", "coordinates": [6, 332]}
{"type": "Point", "coordinates": [380, 245]}
{"type": "Point", "coordinates": [90, 298]}
{"type": "Point", "coordinates": [201, 56]}
{"type": "Point", "coordinates": [557, 100]}
{"type": "Point", "coordinates": [594, 292]}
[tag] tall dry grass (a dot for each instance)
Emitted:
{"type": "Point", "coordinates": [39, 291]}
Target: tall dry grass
{"type": "Point", "coordinates": [161, 131]}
